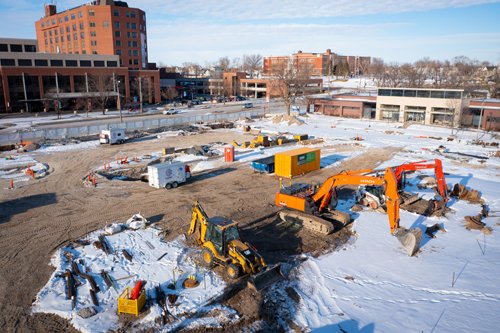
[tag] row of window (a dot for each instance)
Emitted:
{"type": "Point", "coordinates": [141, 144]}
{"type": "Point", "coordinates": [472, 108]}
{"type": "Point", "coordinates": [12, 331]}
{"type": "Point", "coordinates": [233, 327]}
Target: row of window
{"type": "Point", "coordinates": [130, 43]}
{"type": "Point", "coordinates": [128, 25]}
{"type": "Point", "coordinates": [48, 23]}
{"type": "Point", "coordinates": [420, 93]}
{"type": "Point", "coordinates": [68, 29]}
{"type": "Point", "coordinates": [134, 53]}
{"type": "Point", "coordinates": [17, 48]}
{"type": "Point", "coordinates": [129, 34]}
{"type": "Point", "coordinates": [57, 63]}
{"type": "Point", "coordinates": [116, 13]}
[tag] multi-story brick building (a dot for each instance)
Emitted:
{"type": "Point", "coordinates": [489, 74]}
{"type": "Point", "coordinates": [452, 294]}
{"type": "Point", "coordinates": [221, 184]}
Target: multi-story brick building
{"type": "Point", "coordinates": [317, 64]}
{"type": "Point", "coordinates": [99, 27]}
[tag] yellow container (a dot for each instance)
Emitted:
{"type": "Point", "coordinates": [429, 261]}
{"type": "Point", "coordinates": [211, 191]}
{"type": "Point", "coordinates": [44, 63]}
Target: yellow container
{"type": "Point", "coordinates": [300, 137]}
{"type": "Point", "coordinates": [132, 306]}
{"type": "Point", "coordinates": [297, 162]}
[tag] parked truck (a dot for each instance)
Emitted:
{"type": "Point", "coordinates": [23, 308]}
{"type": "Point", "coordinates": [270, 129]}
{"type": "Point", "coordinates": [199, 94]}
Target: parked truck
{"type": "Point", "coordinates": [168, 175]}
{"type": "Point", "coordinates": [112, 136]}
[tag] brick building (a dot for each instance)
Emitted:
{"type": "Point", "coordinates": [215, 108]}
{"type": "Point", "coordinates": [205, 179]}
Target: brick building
{"type": "Point", "coordinates": [98, 27]}
{"type": "Point", "coordinates": [348, 105]}
{"type": "Point", "coordinates": [317, 64]}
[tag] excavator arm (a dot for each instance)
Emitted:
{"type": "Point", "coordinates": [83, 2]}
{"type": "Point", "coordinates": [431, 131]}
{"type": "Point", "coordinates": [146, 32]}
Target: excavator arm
{"type": "Point", "coordinates": [323, 195]}
{"type": "Point", "coordinates": [421, 165]}
{"type": "Point", "coordinates": [198, 214]}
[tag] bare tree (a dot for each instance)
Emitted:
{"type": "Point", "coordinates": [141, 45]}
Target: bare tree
{"type": "Point", "coordinates": [290, 79]}
{"type": "Point", "coordinates": [104, 87]}
{"type": "Point", "coordinates": [252, 63]}
{"type": "Point", "coordinates": [236, 64]}
{"type": "Point", "coordinates": [224, 64]}
{"type": "Point", "coordinates": [170, 93]}
{"type": "Point", "coordinates": [191, 69]}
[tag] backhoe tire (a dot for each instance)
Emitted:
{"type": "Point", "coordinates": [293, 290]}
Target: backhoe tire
{"type": "Point", "coordinates": [233, 271]}
{"type": "Point", "coordinates": [208, 258]}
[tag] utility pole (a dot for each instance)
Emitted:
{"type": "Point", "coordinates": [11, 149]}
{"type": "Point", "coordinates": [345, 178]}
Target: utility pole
{"type": "Point", "coordinates": [140, 94]}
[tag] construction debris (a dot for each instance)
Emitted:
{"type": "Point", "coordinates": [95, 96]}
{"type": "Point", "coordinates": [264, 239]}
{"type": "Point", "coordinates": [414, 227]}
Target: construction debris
{"type": "Point", "coordinates": [127, 255]}
{"type": "Point", "coordinates": [190, 282]}
{"type": "Point", "coordinates": [87, 312]}
{"type": "Point", "coordinates": [463, 193]}
{"type": "Point", "coordinates": [104, 245]}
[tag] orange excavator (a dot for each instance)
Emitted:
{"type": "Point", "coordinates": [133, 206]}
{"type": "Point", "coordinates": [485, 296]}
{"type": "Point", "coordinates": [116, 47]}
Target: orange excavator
{"type": "Point", "coordinates": [315, 206]}
{"type": "Point", "coordinates": [373, 196]}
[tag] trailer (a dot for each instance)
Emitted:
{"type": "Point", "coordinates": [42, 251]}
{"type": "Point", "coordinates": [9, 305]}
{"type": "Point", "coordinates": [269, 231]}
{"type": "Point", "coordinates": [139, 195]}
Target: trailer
{"type": "Point", "coordinates": [168, 175]}
{"type": "Point", "coordinates": [112, 136]}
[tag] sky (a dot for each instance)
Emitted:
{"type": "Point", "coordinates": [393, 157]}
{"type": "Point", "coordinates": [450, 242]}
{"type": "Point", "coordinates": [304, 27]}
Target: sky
{"type": "Point", "coordinates": [202, 31]}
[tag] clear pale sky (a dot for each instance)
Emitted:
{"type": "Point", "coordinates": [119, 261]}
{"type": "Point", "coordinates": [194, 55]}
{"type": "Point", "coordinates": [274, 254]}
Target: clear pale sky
{"type": "Point", "coordinates": [394, 30]}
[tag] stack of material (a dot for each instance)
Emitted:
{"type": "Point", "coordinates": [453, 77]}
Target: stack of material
{"type": "Point", "coordinates": [463, 193]}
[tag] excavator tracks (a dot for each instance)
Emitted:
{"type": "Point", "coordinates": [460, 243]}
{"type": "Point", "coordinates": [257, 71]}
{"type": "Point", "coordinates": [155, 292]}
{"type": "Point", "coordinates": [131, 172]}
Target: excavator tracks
{"type": "Point", "coordinates": [324, 225]}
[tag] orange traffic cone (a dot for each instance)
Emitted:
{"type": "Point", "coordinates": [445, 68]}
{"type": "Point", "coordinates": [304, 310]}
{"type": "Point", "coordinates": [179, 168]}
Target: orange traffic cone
{"type": "Point", "coordinates": [94, 182]}
{"type": "Point", "coordinates": [11, 186]}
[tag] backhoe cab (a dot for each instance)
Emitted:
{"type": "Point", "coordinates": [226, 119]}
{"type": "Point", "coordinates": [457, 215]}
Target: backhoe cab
{"type": "Point", "coordinates": [223, 246]}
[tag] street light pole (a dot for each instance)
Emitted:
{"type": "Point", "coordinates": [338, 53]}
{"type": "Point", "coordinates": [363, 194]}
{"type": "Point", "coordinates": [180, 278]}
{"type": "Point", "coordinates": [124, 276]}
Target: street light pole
{"type": "Point", "coordinates": [118, 102]}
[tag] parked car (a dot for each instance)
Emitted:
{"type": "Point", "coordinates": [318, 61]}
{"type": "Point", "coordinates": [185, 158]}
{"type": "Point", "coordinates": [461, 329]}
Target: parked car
{"type": "Point", "coordinates": [248, 105]}
{"type": "Point", "coordinates": [171, 111]}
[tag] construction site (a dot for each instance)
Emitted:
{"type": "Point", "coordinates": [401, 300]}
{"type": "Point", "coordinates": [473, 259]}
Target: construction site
{"type": "Point", "coordinates": [278, 223]}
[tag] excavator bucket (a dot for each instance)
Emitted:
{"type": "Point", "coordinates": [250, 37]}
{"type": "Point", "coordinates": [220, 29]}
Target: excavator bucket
{"type": "Point", "coordinates": [265, 278]}
{"type": "Point", "coordinates": [410, 239]}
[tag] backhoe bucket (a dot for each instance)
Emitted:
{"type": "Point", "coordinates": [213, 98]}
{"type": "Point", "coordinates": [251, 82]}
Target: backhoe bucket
{"type": "Point", "coordinates": [265, 278]}
{"type": "Point", "coordinates": [410, 239]}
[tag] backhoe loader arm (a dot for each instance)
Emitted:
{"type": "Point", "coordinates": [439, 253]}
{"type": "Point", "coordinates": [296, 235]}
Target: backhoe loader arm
{"type": "Point", "coordinates": [392, 199]}
{"type": "Point", "coordinates": [324, 193]}
{"type": "Point", "coordinates": [421, 165]}
{"type": "Point", "coordinates": [197, 214]}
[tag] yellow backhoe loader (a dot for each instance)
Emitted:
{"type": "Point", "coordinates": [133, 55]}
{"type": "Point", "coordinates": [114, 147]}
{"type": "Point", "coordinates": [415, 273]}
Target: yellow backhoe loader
{"type": "Point", "coordinates": [222, 246]}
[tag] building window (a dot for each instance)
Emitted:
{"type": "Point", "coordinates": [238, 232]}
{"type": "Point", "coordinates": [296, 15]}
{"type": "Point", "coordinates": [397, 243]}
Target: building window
{"type": "Point", "coordinates": [423, 93]}
{"type": "Point", "coordinates": [56, 63]}
{"type": "Point", "coordinates": [62, 39]}
{"type": "Point", "coordinates": [128, 25]}
{"type": "Point", "coordinates": [45, 34]}
{"type": "Point", "coordinates": [134, 44]}
{"type": "Point", "coordinates": [71, 63]}
{"type": "Point", "coordinates": [134, 26]}
{"type": "Point", "coordinates": [136, 53]}
{"type": "Point", "coordinates": [117, 25]}
{"type": "Point", "coordinates": [129, 53]}
{"type": "Point", "coordinates": [66, 19]}
{"type": "Point", "coordinates": [437, 94]}
{"type": "Point", "coordinates": [93, 34]}
{"type": "Point", "coordinates": [94, 52]}
{"type": "Point", "coordinates": [136, 62]}
{"type": "Point", "coordinates": [68, 29]}
{"type": "Point", "coordinates": [81, 26]}
{"type": "Point", "coordinates": [24, 62]}
{"type": "Point", "coordinates": [74, 27]}
{"type": "Point", "coordinates": [116, 13]}
{"type": "Point", "coordinates": [453, 94]}
{"type": "Point", "coordinates": [85, 63]}
{"type": "Point", "coordinates": [127, 14]}
{"type": "Point", "coordinates": [112, 64]}
{"type": "Point", "coordinates": [43, 24]}
{"type": "Point", "coordinates": [68, 38]}
{"type": "Point", "coordinates": [82, 35]}
{"type": "Point", "coordinates": [46, 41]}
{"type": "Point", "coordinates": [128, 34]}
{"type": "Point", "coordinates": [50, 40]}
{"type": "Point", "coordinates": [91, 12]}
{"type": "Point", "coordinates": [7, 62]}
{"type": "Point", "coordinates": [98, 63]}
{"type": "Point", "coordinates": [130, 61]}
{"type": "Point", "coordinates": [80, 14]}
{"type": "Point", "coordinates": [132, 15]}
{"type": "Point", "coordinates": [119, 52]}
{"type": "Point", "coordinates": [105, 24]}
{"type": "Point", "coordinates": [410, 93]}
{"type": "Point", "coordinates": [60, 20]}
{"type": "Point", "coordinates": [61, 30]}
{"type": "Point", "coordinates": [118, 43]}
{"type": "Point", "coordinates": [55, 32]}
{"type": "Point", "coordinates": [134, 34]}
{"type": "Point", "coordinates": [117, 34]}
{"type": "Point", "coordinates": [92, 24]}
{"type": "Point", "coordinates": [5, 48]}
{"type": "Point", "coordinates": [93, 43]}
{"type": "Point", "coordinates": [47, 23]}
{"type": "Point", "coordinates": [73, 16]}
{"type": "Point", "coordinates": [57, 39]}
{"type": "Point", "coordinates": [84, 52]}
{"type": "Point", "coordinates": [29, 48]}
{"type": "Point", "coordinates": [397, 92]}
{"type": "Point", "coordinates": [50, 32]}
{"type": "Point", "coordinates": [75, 36]}
{"type": "Point", "coordinates": [41, 62]}
{"type": "Point", "coordinates": [53, 21]}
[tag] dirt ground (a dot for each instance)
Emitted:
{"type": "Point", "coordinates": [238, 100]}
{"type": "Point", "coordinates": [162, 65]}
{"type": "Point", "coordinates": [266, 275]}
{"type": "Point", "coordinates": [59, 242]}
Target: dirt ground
{"type": "Point", "coordinates": [37, 219]}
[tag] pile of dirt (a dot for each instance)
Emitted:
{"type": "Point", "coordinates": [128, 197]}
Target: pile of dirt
{"type": "Point", "coordinates": [484, 144]}
{"type": "Point", "coordinates": [464, 193]}
{"type": "Point", "coordinates": [291, 120]}
{"type": "Point", "coordinates": [476, 223]}
{"type": "Point", "coordinates": [129, 174]}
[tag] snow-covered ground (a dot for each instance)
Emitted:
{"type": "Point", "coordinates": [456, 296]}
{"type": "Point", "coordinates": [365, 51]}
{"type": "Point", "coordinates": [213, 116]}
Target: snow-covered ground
{"type": "Point", "coordinates": [370, 285]}
{"type": "Point", "coordinates": [146, 248]}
